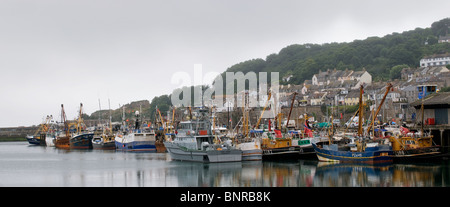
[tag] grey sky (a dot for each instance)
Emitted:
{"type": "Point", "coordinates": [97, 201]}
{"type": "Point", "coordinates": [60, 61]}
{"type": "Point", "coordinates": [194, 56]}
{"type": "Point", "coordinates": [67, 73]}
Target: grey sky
{"type": "Point", "coordinates": [73, 51]}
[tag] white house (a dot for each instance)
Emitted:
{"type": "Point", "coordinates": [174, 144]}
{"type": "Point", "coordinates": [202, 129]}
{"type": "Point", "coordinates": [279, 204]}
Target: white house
{"type": "Point", "coordinates": [443, 39]}
{"type": "Point", "coordinates": [435, 60]}
{"type": "Point", "coordinates": [363, 77]}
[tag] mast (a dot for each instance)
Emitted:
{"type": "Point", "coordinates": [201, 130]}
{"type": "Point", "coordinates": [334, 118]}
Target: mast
{"type": "Point", "coordinates": [100, 112]}
{"type": "Point", "coordinates": [422, 110]}
{"type": "Point", "coordinates": [290, 110]}
{"type": "Point", "coordinates": [80, 119]}
{"type": "Point", "coordinates": [110, 123]}
{"type": "Point", "coordinates": [162, 121]}
{"type": "Point", "coordinates": [173, 119]}
{"type": "Point", "coordinates": [265, 105]}
{"type": "Point", "coordinates": [123, 118]}
{"type": "Point", "coordinates": [361, 91]}
{"type": "Point", "coordinates": [63, 120]}
{"type": "Point", "coordinates": [388, 88]}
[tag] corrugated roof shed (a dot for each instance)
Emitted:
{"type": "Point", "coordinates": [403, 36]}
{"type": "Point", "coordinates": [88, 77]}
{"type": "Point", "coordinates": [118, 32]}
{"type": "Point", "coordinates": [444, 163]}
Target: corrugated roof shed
{"type": "Point", "coordinates": [436, 100]}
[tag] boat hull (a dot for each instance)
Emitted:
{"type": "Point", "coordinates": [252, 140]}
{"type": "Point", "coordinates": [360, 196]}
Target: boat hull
{"type": "Point", "coordinates": [137, 146]}
{"type": "Point", "coordinates": [136, 142]}
{"type": "Point", "coordinates": [33, 140]}
{"type": "Point", "coordinates": [180, 153]}
{"type": "Point", "coordinates": [252, 155]}
{"type": "Point", "coordinates": [160, 148]}
{"type": "Point", "coordinates": [379, 156]}
{"type": "Point", "coordinates": [251, 151]}
{"type": "Point", "coordinates": [82, 141]}
{"type": "Point", "coordinates": [36, 140]}
{"type": "Point", "coordinates": [62, 142]}
{"type": "Point", "coordinates": [289, 153]}
{"type": "Point", "coordinates": [104, 145]}
{"type": "Point", "coordinates": [421, 154]}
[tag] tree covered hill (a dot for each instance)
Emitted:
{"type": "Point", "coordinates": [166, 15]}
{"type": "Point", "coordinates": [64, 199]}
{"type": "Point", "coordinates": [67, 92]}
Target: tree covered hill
{"type": "Point", "coordinates": [378, 55]}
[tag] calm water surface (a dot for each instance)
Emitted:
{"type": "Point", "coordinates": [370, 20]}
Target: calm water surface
{"type": "Point", "coordinates": [22, 164]}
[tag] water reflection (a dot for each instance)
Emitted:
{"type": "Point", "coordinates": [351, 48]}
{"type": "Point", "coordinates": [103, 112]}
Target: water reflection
{"type": "Point", "coordinates": [42, 166]}
{"type": "Point", "coordinates": [309, 174]}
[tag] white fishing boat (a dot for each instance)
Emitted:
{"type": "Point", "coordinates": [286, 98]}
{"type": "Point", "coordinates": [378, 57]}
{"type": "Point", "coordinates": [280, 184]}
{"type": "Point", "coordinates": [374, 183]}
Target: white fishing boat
{"type": "Point", "coordinates": [136, 139]}
{"type": "Point", "coordinates": [251, 150]}
{"type": "Point", "coordinates": [194, 142]}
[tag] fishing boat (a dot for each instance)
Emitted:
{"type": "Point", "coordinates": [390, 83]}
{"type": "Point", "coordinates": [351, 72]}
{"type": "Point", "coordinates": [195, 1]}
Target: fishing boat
{"type": "Point", "coordinates": [195, 142]}
{"type": "Point", "coordinates": [366, 152]}
{"type": "Point", "coordinates": [137, 139]}
{"type": "Point", "coordinates": [278, 146]}
{"type": "Point", "coordinates": [62, 139]}
{"type": "Point", "coordinates": [249, 141]}
{"type": "Point", "coordinates": [250, 145]}
{"type": "Point", "coordinates": [251, 150]}
{"type": "Point", "coordinates": [35, 139]}
{"type": "Point", "coordinates": [106, 139]}
{"type": "Point", "coordinates": [418, 146]}
{"type": "Point", "coordinates": [81, 139]}
{"type": "Point", "coordinates": [285, 146]}
{"type": "Point", "coordinates": [103, 141]}
{"type": "Point", "coordinates": [414, 147]}
{"type": "Point", "coordinates": [360, 150]}
{"type": "Point", "coordinates": [38, 138]}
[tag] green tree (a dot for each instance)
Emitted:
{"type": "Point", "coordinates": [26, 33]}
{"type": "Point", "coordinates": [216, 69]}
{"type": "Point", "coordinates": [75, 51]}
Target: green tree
{"type": "Point", "coordinates": [395, 72]}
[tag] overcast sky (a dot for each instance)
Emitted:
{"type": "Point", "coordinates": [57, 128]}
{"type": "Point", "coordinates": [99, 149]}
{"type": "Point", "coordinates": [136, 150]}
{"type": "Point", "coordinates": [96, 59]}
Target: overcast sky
{"type": "Point", "coordinates": [56, 52]}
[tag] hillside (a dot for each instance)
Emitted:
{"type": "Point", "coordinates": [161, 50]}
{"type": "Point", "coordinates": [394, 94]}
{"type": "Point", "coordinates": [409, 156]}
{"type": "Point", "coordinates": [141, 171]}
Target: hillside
{"type": "Point", "coordinates": [147, 110]}
{"type": "Point", "coordinates": [378, 55]}
{"type": "Point", "coordinates": [116, 114]}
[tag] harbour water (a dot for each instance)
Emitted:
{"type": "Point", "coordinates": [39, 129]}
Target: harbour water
{"type": "Point", "coordinates": [24, 165]}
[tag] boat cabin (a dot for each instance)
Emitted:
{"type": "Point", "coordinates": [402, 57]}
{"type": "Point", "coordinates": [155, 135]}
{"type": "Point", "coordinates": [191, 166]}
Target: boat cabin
{"type": "Point", "coordinates": [408, 142]}
{"type": "Point", "coordinates": [192, 134]}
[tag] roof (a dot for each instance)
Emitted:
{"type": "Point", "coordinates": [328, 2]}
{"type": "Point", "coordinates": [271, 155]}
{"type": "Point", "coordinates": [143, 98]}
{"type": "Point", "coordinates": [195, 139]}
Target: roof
{"type": "Point", "coordinates": [436, 100]}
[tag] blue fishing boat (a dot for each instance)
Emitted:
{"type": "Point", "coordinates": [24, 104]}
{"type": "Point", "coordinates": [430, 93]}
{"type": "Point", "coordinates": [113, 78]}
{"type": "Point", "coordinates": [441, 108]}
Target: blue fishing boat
{"type": "Point", "coordinates": [39, 136]}
{"type": "Point", "coordinates": [81, 141]}
{"type": "Point", "coordinates": [371, 153]}
{"type": "Point", "coordinates": [361, 149]}
{"type": "Point", "coordinates": [34, 139]}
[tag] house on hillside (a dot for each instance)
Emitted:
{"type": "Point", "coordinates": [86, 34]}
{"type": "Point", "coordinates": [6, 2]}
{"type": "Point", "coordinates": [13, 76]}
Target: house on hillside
{"type": "Point", "coordinates": [443, 39]}
{"type": "Point", "coordinates": [435, 60]}
{"type": "Point", "coordinates": [352, 98]}
{"type": "Point", "coordinates": [317, 98]}
{"type": "Point", "coordinates": [331, 76]}
{"type": "Point", "coordinates": [410, 92]}
{"type": "Point", "coordinates": [409, 73]}
{"type": "Point", "coordinates": [437, 70]}
{"type": "Point", "coordinates": [363, 77]}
